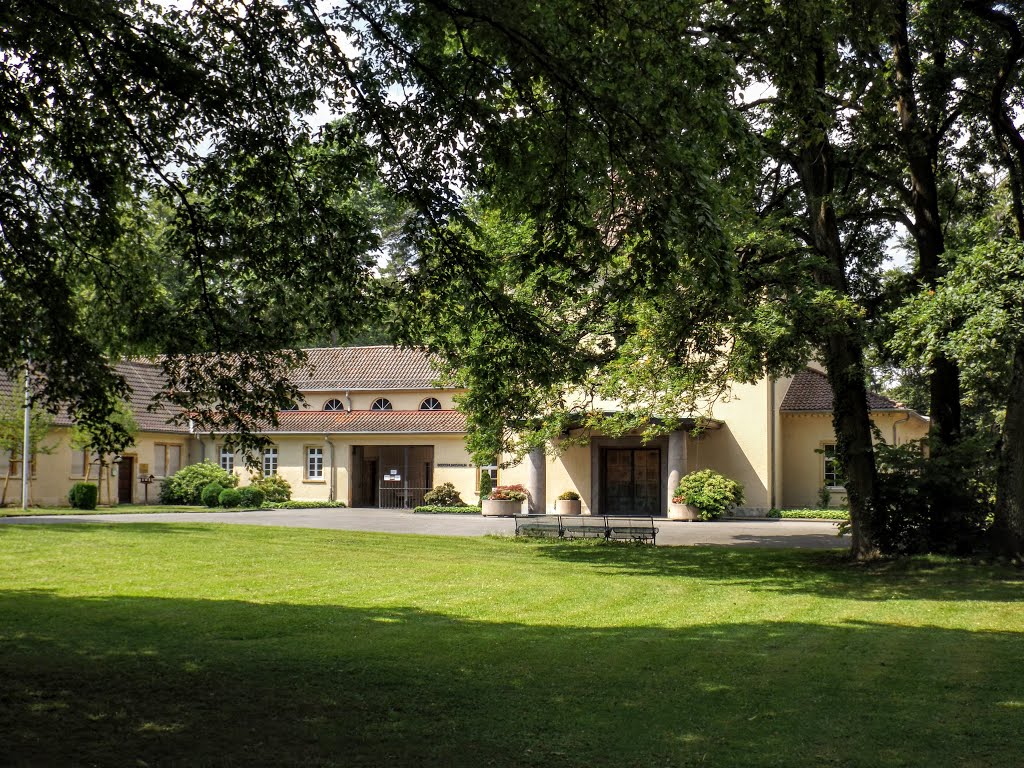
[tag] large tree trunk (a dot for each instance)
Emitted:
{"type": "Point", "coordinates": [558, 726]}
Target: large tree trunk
{"type": "Point", "coordinates": [920, 144]}
{"type": "Point", "coordinates": [844, 352]}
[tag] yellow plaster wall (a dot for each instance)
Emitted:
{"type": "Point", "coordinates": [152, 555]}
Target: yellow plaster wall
{"type": "Point", "coordinates": [739, 449]}
{"type": "Point", "coordinates": [804, 434]}
{"type": "Point", "coordinates": [401, 400]}
{"type": "Point", "coordinates": [291, 458]}
{"type": "Point", "coordinates": [53, 478]}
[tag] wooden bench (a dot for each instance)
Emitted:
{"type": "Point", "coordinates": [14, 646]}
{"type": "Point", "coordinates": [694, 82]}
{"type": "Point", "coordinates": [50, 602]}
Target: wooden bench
{"type": "Point", "coordinates": [638, 529]}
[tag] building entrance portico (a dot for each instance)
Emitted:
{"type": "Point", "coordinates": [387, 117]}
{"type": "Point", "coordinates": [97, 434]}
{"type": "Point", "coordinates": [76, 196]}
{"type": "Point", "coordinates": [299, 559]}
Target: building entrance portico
{"type": "Point", "coordinates": [631, 481]}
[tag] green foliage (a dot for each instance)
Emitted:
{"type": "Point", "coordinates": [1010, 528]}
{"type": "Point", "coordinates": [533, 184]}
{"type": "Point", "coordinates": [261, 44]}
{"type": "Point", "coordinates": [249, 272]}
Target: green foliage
{"type": "Point", "coordinates": [186, 485]}
{"type": "Point", "coordinates": [811, 514]}
{"type": "Point", "coordinates": [440, 509]}
{"type": "Point", "coordinates": [508, 493]}
{"type": "Point", "coordinates": [824, 497]}
{"type": "Point", "coordinates": [962, 477]}
{"type": "Point", "coordinates": [274, 488]}
{"type": "Point", "coordinates": [711, 493]}
{"type": "Point", "coordinates": [569, 496]}
{"type": "Point", "coordinates": [230, 497]}
{"type": "Point", "coordinates": [211, 494]}
{"type": "Point", "coordinates": [486, 484]}
{"type": "Point", "coordinates": [306, 505]}
{"type": "Point", "coordinates": [443, 495]}
{"type": "Point", "coordinates": [83, 495]}
{"type": "Point", "coordinates": [251, 496]}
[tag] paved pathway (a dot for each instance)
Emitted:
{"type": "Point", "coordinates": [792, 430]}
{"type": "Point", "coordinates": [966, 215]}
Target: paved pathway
{"type": "Point", "coordinates": [750, 533]}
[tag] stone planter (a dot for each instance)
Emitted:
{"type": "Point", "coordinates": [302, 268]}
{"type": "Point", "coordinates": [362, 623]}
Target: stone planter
{"type": "Point", "coordinates": [568, 507]}
{"type": "Point", "coordinates": [683, 512]}
{"type": "Point", "coordinates": [500, 507]}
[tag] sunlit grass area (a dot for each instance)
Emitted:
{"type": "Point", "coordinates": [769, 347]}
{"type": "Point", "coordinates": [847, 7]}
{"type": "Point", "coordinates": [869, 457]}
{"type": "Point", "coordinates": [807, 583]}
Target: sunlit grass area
{"type": "Point", "coordinates": [226, 645]}
{"type": "Point", "coordinates": [120, 509]}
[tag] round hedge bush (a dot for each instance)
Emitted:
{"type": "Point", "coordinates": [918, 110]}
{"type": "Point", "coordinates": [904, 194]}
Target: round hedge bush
{"type": "Point", "coordinates": [274, 488]}
{"type": "Point", "coordinates": [211, 494]}
{"type": "Point", "coordinates": [186, 486]}
{"type": "Point", "coordinates": [443, 495]}
{"type": "Point", "coordinates": [83, 495]}
{"type": "Point", "coordinates": [230, 497]}
{"type": "Point", "coordinates": [711, 493]}
{"type": "Point", "coordinates": [251, 496]}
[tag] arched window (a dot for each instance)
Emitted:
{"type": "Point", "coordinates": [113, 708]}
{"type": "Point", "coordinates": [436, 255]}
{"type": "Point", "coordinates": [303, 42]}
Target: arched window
{"type": "Point", "coordinates": [430, 404]}
{"type": "Point", "coordinates": [334, 404]}
{"type": "Point", "coordinates": [381, 404]}
{"type": "Point", "coordinates": [292, 407]}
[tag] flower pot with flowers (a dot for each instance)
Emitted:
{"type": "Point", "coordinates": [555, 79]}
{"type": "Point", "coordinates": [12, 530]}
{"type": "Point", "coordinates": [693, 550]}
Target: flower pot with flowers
{"type": "Point", "coordinates": [503, 501]}
{"type": "Point", "coordinates": [568, 504]}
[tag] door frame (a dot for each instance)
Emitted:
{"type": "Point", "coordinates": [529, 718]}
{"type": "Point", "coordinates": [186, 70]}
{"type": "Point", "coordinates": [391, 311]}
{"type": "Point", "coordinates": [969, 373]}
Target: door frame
{"type": "Point", "coordinates": [132, 462]}
{"type": "Point", "coordinates": [597, 479]}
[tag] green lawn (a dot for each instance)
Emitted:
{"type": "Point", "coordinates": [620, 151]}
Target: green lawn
{"type": "Point", "coordinates": [120, 509]}
{"type": "Point", "coordinates": [222, 645]}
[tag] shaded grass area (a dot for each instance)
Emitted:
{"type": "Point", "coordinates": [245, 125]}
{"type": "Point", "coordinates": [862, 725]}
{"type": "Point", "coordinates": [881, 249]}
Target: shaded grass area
{"type": "Point", "coordinates": [215, 645]}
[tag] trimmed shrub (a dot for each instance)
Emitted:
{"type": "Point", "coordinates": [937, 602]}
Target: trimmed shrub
{"type": "Point", "coordinates": [443, 496]}
{"type": "Point", "coordinates": [812, 514]}
{"type": "Point", "coordinates": [711, 493]}
{"type": "Point", "coordinates": [211, 494]}
{"type": "Point", "coordinates": [307, 505]}
{"type": "Point", "coordinates": [442, 510]}
{"type": "Point", "coordinates": [485, 484]}
{"type": "Point", "coordinates": [274, 488]}
{"type": "Point", "coordinates": [251, 496]}
{"type": "Point", "coordinates": [186, 485]}
{"type": "Point", "coordinates": [83, 496]}
{"type": "Point", "coordinates": [230, 497]}
{"type": "Point", "coordinates": [569, 496]}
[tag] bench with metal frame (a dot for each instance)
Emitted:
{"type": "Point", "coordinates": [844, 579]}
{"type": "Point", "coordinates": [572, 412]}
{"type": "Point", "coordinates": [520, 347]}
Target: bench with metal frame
{"type": "Point", "coordinates": [611, 528]}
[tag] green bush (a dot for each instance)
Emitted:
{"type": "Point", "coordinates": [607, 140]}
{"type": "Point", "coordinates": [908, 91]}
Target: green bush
{"type": "Point", "coordinates": [508, 493]}
{"type": "Point", "coordinates": [186, 485]}
{"type": "Point", "coordinates": [274, 488]}
{"type": "Point", "coordinates": [443, 496]}
{"type": "Point", "coordinates": [211, 494]}
{"type": "Point", "coordinates": [569, 496]}
{"type": "Point", "coordinates": [307, 505]}
{"type": "Point", "coordinates": [230, 497]}
{"type": "Point", "coordinates": [812, 514]}
{"type": "Point", "coordinates": [711, 493]}
{"type": "Point", "coordinates": [485, 484]}
{"type": "Point", "coordinates": [428, 509]}
{"type": "Point", "coordinates": [251, 496]}
{"type": "Point", "coordinates": [83, 495]}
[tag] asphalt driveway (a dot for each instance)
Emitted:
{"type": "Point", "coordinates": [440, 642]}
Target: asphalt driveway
{"type": "Point", "coordinates": [745, 532]}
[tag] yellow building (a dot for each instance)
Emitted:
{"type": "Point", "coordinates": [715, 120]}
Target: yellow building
{"type": "Point", "coordinates": [374, 431]}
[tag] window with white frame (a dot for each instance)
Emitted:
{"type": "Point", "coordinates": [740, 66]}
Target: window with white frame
{"type": "Point", "coordinates": [269, 462]}
{"type": "Point", "coordinates": [381, 404]}
{"type": "Point", "coordinates": [167, 459]}
{"type": "Point", "coordinates": [314, 463]}
{"type": "Point", "coordinates": [334, 404]}
{"type": "Point", "coordinates": [227, 459]}
{"type": "Point", "coordinates": [492, 470]}
{"type": "Point", "coordinates": [430, 404]}
{"type": "Point", "coordinates": [830, 466]}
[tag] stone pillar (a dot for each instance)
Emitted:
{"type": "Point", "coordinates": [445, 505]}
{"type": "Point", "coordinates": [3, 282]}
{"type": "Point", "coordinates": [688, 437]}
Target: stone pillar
{"type": "Point", "coordinates": [676, 462]}
{"type": "Point", "coordinates": [536, 480]}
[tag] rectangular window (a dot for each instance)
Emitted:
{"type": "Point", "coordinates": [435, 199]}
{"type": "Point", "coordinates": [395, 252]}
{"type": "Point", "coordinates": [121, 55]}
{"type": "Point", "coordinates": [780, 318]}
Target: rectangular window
{"type": "Point", "coordinates": [227, 460]}
{"type": "Point", "coordinates": [269, 462]}
{"type": "Point", "coordinates": [492, 470]}
{"type": "Point", "coordinates": [831, 474]}
{"type": "Point", "coordinates": [314, 463]}
{"type": "Point", "coordinates": [6, 465]}
{"type": "Point", "coordinates": [78, 460]}
{"type": "Point", "coordinates": [167, 459]}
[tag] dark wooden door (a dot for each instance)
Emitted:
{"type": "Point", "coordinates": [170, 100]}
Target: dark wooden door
{"type": "Point", "coordinates": [125, 480]}
{"type": "Point", "coordinates": [632, 481]}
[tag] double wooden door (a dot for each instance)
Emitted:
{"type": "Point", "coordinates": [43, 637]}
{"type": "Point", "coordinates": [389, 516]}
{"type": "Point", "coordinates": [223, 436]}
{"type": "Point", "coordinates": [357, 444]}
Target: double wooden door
{"type": "Point", "coordinates": [631, 481]}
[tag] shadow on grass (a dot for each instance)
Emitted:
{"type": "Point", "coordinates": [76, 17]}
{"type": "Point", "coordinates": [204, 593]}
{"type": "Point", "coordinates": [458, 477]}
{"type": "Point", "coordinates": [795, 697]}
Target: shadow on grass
{"type": "Point", "coordinates": [822, 573]}
{"type": "Point", "coordinates": [154, 681]}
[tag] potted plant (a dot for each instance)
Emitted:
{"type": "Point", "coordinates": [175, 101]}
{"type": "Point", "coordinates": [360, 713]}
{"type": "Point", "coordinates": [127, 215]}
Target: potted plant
{"type": "Point", "coordinates": [704, 495]}
{"type": "Point", "coordinates": [503, 500]}
{"type": "Point", "coordinates": [568, 504]}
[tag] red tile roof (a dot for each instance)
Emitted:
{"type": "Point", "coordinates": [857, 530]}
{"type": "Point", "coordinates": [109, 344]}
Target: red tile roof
{"type": "Point", "coordinates": [145, 381]}
{"type": "Point", "coordinates": [810, 392]}
{"type": "Point", "coordinates": [365, 368]}
{"type": "Point", "coordinates": [370, 422]}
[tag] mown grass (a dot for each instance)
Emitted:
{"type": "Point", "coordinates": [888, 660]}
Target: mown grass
{"type": "Point", "coordinates": [223, 645]}
{"type": "Point", "coordinates": [120, 509]}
